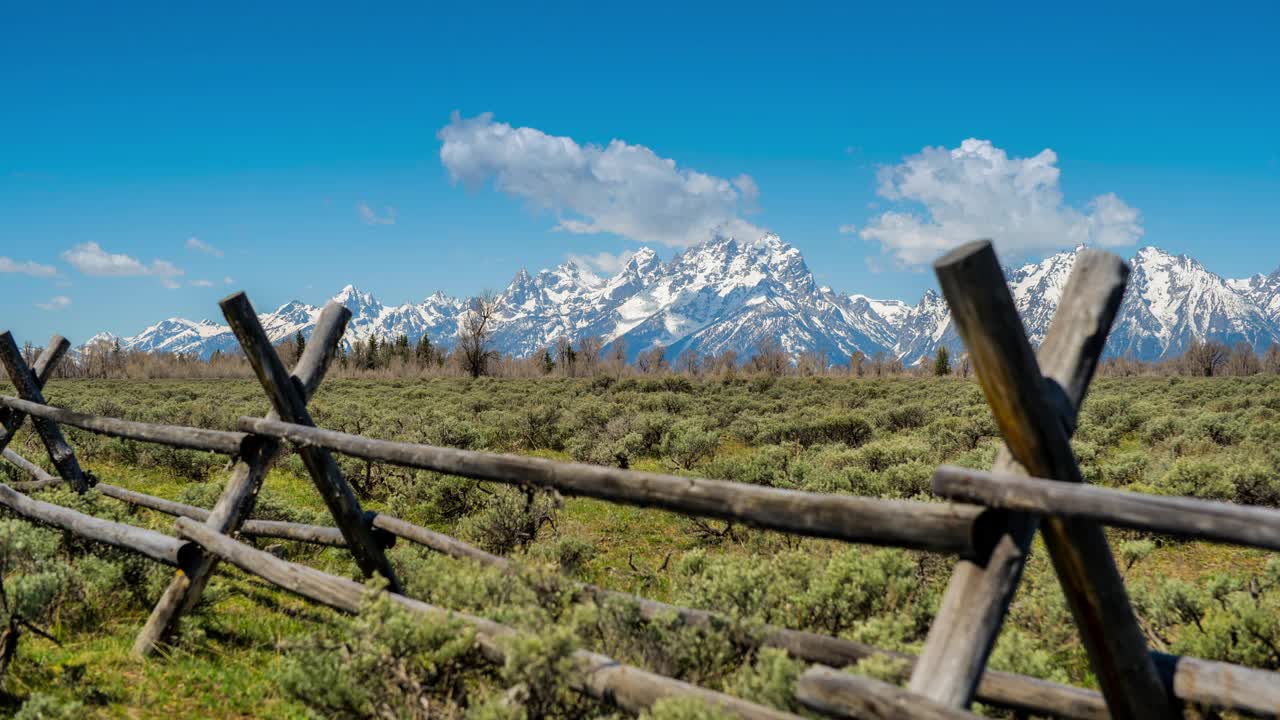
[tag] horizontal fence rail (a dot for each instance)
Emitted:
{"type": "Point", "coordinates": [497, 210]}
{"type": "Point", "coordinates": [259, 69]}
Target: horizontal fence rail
{"type": "Point", "coordinates": [190, 438]}
{"type": "Point", "coordinates": [596, 675]}
{"type": "Point", "coordinates": [937, 527]}
{"type": "Point", "coordinates": [1200, 682]}
{"type": "Point", "coordinates": [1008, 690]}
{"type": "Point", "coordinates": [1185, 517]}
{"type": "Point", "coordinates": [1034, 400]}
{"type": "Point", "coordinates": [149, 543]}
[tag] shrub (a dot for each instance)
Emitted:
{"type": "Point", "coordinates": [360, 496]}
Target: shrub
{"type": "Point", "coordinates": [686, 444]}
{"type": "Point", "coordinates": [904, 417]}
{"type": "Point", "coordinates": [1197, 478]}
{"type": "Point", "coordinates": [384, 662]}
{"type": "Point", "coordinates": [848, 428]}
{"type": "Point", "coordinates": [769, 681]}
{"type": "Point", "coordinates": [510, 519]}
{"type": "Point", "coordinates": [883, 454]}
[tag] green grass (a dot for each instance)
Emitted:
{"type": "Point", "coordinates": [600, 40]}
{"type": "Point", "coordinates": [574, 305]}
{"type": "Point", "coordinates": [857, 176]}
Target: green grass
{"type": "Point", "coordinates": [227, 662]}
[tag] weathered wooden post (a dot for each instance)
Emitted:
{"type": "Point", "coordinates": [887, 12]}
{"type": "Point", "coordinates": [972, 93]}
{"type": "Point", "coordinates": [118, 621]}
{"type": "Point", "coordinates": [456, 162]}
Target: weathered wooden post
{"type": "Point", "coordinates": [29, 386]}
{"type": "Point", "coordinates": [1036, 415]}
{"type": "Point", "coordinates": [288, 397]}
{"type": "Point", "coordinates": [237, 500]}
{"type": "Point", "coordinates": [10, 420]}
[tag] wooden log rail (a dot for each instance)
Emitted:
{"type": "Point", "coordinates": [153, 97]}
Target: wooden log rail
{"type": "Point", "coordinates": [1008, 690]}
{"type": "Point", "coordinates": [240, 493]}
{"type": "Point", "coordinates": [1199, 682]}
{"type": "Point", "coordinates": [29, 383]}
{"type": "Point", "coordinates": [1181, 516]}
{"type": "Point", "coordinates": [1036, 414]}
{"type": "Point", "coordinates": [595, 675]}
{"type": "Point", "coordinates": [1035, 409]}
{"type": "Point", "coordinates": [148, 543]}
{"type": "Point", "coordinates": [191, 438]}
{"type": "Point", "coordinates": [937, 527]}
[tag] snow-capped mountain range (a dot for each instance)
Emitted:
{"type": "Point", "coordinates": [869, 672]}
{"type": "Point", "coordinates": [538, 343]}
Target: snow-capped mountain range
{"type": "Point", "coordinates": [729, 295]}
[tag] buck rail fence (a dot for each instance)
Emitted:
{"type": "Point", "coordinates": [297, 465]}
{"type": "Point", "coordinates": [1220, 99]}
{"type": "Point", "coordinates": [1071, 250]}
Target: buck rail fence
{"type": "Point", "coordinates": [1035, 485]}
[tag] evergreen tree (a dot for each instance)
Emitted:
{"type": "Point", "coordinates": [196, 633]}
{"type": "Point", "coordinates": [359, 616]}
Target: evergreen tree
{"type": "Point", "coordinates": [424, 351]}
{"type": "Point", "coordinates": [300, 341]}
{"type": "Point", "coordinates": [548, 364]}
{"type": "Point", "coordinates": [942, 363]}
{"type": "Point", "coordinates": [371, 353]}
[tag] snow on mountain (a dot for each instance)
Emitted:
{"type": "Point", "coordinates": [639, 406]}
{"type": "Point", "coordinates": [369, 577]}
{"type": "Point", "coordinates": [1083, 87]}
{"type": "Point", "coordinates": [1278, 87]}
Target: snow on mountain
{"type": "Point", "coordinates": [1263, 291]}
{"type": "Point", "coordinates": [729, 295]}
{"type": "Point", "coordinates": [1173, 299]}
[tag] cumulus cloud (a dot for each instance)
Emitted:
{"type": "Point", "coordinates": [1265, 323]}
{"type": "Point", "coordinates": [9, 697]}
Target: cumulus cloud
{"type": "Point", "coordinates": [369, 216]}
{"type": "Point", "coordinates": [60, 302]}
{"type": "Point", "coordinates": [602, 262]}
{"type": "Point", "coordinates": [978, 191]}
{"type": "Point", "coordinates": [90, 259]}
{"type": "Point", "coordinates": [624, 189]}
{"type": "Point", "coordinates": [847, 229]}
{"type": "Point", "coordinates": [195, 243]}
{"type": "Point", "coordinates": [26, 267]}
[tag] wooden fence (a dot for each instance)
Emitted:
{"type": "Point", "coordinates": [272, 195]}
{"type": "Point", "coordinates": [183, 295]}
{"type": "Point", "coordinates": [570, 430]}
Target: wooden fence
{"type": "Point", "coordinates": [1035, 485]}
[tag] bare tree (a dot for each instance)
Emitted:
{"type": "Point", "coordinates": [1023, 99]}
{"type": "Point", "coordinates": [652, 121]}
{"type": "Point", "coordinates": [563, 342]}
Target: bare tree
{"type": "Point", "coordinates": [1243, 361]}
{"type": "Point", "coordinates": [616, 358]}
{"type": "Point", "coordinates": [1271, 360]}
{"type": "Point", "coordinates": [858, 363]}
{"type": "Point", "coordinates": [1205, 357]}
{"type": "Point", "coordinates": [769, 357]}
{"type": "Point", "coordinates": [812, 362]}
{"type": "Point", "coordinates": [474, 334]}
{"type": "Point", "coordinates": [566, 356]}
{"type": "Point", "coordinates": [653, 360]}
{"type": "Point", "coordinates": [589, 349]}
{"type": "Point", "coordinates": [689, 362]}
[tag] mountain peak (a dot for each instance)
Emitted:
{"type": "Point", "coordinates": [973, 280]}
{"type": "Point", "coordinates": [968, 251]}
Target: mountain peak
{"type": "Point", "coordinates": [729, 294]}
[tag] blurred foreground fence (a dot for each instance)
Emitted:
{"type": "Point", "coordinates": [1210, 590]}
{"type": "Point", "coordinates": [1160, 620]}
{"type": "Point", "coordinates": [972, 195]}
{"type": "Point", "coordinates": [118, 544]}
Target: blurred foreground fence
{"type": "Point", "coordinates": [1034, 486]}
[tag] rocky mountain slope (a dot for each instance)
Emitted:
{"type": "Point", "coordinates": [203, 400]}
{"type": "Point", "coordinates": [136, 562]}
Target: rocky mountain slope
{"type": "Point", "coordinates": [729, 295]}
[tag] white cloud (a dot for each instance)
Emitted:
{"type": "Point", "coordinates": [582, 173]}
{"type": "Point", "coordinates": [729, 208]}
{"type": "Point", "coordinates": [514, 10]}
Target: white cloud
{"type": "Point", "coordinates": [603, 262]}
{"type": "Point", "coordinates": [227, 280]}
{"type": "Point", "coordinates": [624, 189]}
{"type": "Point", "coordinates": [90, 259]}
{"type": "Point", "coordinates": [847, 229]}
{"type": "Point", "coordinates": [60, 302]}
{"type": "Point", "coordinates": [202, 283]}
{"type": "Point", "coordinates": [369, 216]}
{"type": "Point", "coordinates": [195, 243]}
{"type": "Point", "coordinates": [978, 191]}
{"type": "Point", "coordinates": [26, 267]}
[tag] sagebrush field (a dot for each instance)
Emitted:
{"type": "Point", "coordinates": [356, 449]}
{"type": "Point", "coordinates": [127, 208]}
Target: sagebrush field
{"type": "Point", "coordinates": [254, 651]}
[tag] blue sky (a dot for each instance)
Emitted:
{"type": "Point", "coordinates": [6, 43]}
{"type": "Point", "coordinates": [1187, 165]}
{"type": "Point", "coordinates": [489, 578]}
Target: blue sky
{"type": "Point", "coordinates": [128, 129]}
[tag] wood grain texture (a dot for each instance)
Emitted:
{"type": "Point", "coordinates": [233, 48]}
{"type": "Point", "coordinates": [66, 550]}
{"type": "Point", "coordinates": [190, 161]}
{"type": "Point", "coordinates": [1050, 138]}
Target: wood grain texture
{"type": "Point", "coordinates": [191, 438]}
{"type": "Point", "coordinates": [842, 695]}
{"type": "Point", "coordinates": [148, 543]}
{"type": "Point", "coordinates": [937, 527]}
{"type": "Point", "coordinates": [1035, 414]}
{"type": "Point", "coordinates": [288, 398]}
{"type": "Point", "coordinates": [43, 369]}
{"type": "Point", "coordinates": [1182, 516]}
{"type": "Point", "coordinates": [42, 479]}
{"type": "Point", "coordinates": [236, 502]}
{"type": "Point", "coordinates": [598, 676]}
{"type": "Point", "coordinates": [28, 385]}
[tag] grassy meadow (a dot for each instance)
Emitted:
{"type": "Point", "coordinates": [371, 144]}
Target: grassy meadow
{"type": "Point", "coordinates": [252, 651]}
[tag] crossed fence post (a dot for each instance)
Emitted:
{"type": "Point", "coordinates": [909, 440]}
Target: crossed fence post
{"type": "Point", "coordinates": [1036, 414]}
{"type": "Point", "coordinates": [29, 383]}
{"type": "Point", "coordinates": [290, 391]}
